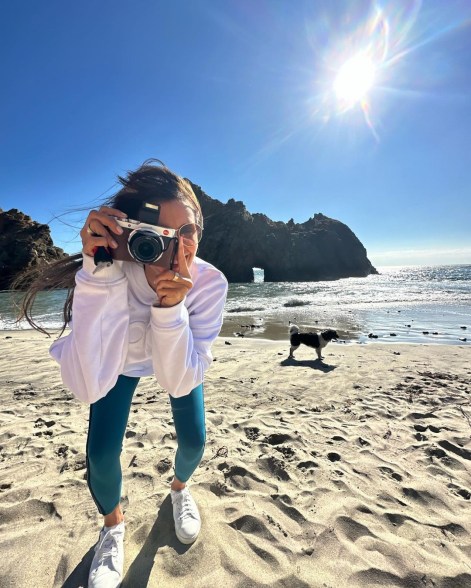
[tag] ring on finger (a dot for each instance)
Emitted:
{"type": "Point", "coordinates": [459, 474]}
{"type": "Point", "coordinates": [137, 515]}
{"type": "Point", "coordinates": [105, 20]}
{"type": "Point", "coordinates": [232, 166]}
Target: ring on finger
{"type": "Point", "coordinates": [178, 276]}
{"type": "Point", "coordinates": [90, 231]}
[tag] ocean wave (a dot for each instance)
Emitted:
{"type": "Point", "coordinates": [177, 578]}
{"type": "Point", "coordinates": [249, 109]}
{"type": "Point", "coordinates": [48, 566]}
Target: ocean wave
{"type": "Point", "coordinates": [430, 299]}
{"type": "Point", "coordinates": [246, 309]}
{"type": "Point", "coordinates": [292, 303]}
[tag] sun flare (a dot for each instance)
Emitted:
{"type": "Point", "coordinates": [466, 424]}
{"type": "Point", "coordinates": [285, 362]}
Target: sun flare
{"type": "Point", "coordinates": [362, 61]}
{"type": "Point", "coordinates": [354, 80]}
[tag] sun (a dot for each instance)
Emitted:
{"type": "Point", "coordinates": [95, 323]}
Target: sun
{"type": "Point", "coordinates": [354, 80]}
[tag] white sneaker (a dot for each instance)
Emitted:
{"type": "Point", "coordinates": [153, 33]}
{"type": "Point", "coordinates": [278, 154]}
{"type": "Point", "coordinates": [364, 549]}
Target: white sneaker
{"type": "Point", "coordinates": [106, 570]}
{"type": "Point", "coordinates": [186, 516]}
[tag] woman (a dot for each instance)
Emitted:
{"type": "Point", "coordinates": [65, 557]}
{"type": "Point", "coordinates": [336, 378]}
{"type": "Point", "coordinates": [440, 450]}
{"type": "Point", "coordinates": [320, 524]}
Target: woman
{"type": "Point", "coordinates": [132, 319]}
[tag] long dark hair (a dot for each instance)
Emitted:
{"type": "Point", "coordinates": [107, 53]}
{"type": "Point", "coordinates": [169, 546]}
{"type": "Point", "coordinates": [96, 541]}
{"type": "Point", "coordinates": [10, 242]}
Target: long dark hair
{"type": "Point", "coordinates": [151, 182]}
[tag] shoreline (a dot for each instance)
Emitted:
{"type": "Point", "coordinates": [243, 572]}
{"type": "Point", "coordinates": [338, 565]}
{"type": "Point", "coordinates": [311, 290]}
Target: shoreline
{"type": "Point", "coordinates": [423, 305]}
{"type": "Point", "coordinates": [282, 336]}
{"type": "Point", "coordinates": [389, 327]}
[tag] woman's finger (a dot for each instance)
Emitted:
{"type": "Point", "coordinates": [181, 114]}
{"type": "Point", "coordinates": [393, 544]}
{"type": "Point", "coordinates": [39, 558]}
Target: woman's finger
{"type": "Point", "coordinates": [178, 289]}
{"type": "Point", "coordinates": [170, 287]}
{"type": "Point", "coordinates": [92, 242]}
{"type": "Point", "coordinates": [112, 211]}
{"type": "Point", "coordinates": [174, 279]}
{"type": "Point", "coordinates": [182, 265]}
{"type": "Point", "coordinates": [166, 276]}
{"type": "Point", "coordinates": [169, 298]}
{"type": "Point", "coordinates": [96, 226]}
{"type": "Point", "coordinates": [173, 286]}
{"type": "Point", "coordinates": [104, 219]}
{"type": "Point", "coordinates": [93, 230]}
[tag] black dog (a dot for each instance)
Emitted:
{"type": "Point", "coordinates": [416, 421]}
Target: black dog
{"type": "Point", "coordinates": [318, 342]}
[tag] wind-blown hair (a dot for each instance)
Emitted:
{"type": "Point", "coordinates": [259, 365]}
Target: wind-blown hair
{"type": "Point", "coordinates": [152, 182]}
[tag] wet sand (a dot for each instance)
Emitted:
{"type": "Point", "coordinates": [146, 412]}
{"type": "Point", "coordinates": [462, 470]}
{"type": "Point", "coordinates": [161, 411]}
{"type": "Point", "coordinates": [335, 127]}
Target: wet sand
{"type": "Point", "coordinates": [387, 326]}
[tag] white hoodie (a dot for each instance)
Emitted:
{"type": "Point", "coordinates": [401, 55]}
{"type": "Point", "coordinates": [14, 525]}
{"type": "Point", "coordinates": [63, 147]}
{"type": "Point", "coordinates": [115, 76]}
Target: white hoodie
{"type": "Point", "coordinates": [117, 328]}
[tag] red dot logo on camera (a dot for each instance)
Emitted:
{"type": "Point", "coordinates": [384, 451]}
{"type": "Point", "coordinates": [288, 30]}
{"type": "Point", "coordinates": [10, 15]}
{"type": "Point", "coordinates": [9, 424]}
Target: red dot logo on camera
{"type": "Point", "coordinates": [166, 232]}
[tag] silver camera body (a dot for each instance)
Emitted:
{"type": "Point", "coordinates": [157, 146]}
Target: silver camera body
{"type": "Point", "coordinates": [146, 242]}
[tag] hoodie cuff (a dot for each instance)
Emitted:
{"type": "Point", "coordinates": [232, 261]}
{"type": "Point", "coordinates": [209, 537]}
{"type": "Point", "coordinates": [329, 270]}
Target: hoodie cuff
{"type": "Point", "coordinates": [163, 317]}
{"type": "Point", "coordinates": [105, 274]}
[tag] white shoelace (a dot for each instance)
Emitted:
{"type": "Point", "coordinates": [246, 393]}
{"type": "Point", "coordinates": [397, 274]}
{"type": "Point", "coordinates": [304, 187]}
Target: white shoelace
{"type": "Point", "coordinates": [185, 507]}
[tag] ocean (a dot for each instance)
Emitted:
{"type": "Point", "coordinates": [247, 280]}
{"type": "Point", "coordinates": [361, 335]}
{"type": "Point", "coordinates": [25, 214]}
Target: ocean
{"type": "Point", "coordinates": [401, 304]}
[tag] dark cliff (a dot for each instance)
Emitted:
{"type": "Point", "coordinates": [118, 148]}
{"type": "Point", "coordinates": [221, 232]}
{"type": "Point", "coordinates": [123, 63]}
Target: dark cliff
{"type": "Point", "coordinates": [321, 248]}
{"type": "Point", "coordinates": [24, 243]}
{"type": "Point", "coordinates": [234, 240]}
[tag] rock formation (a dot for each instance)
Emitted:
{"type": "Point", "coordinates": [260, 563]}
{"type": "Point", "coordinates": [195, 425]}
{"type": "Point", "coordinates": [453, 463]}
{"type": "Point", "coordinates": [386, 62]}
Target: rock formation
{"type": "Point", "coordinates": [236, 241]}
{"type": "Point", "coordinates": [23, 243]}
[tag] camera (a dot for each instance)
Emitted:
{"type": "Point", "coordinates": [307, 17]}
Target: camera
{"type": "Point", "coordinates": [143, 240]}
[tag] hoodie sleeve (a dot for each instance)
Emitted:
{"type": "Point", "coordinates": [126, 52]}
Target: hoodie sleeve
{"type": "Point", "coordinates": [92, 355]}
{"type": "Point", "coordinates": [182, 337]}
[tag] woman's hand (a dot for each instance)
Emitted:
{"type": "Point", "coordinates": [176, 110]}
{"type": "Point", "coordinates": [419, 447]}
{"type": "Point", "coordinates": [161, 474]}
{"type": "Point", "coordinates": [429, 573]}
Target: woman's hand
{"type": "Point", "coordinates": [172, 286]}
{"type": "Point", "coordinates": [97, 222]}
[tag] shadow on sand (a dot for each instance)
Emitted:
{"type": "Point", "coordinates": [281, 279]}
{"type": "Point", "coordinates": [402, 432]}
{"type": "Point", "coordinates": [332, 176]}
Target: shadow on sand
{"type": "Point", "coordinates": [162, 534]}
{"type": "Point", "coordinates": [315, 364]}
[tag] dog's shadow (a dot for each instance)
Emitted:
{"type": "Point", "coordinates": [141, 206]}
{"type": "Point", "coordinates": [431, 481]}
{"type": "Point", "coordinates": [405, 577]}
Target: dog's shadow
{"type": "Point", "coordinates": [162, 534]}
{"type": "Point", "coordinates": [315, 364]}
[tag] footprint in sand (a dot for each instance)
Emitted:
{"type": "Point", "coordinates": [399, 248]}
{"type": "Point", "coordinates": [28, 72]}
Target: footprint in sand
{"type": "Point", "coordinates": [252, 433]}
{"type": "Point", "coordinates": [241, 478]}
{"type": "Point", "coordinates": [287, 452]}
{"type": "Point", "coordinates": [445, 459]}
{"type": "Point", "coordinates": [42, 423]}
{"type": "Point", "coordinates": [219, 489]}
{"type": "Point", "coordinates": [249, 525]}
{"type": "Point", "coordinates": [460, 491]}
{"type": "Point", "coordinates": [284, 502]}
{"type": "Point", "coordinates": [277, 438]}
{"type": "Point", "coordinates": [397, 520]}
{"type": "Point", "coordinates": [460, 451]}
{"type": "Point", "coordinates": [265, 556]}
{"type": "Point", "coordinates": [275, 467]}
{"type": "Point", "coordinates": [391, 473]}
{"type": "Point", "coordinates": [421, 428]}
{"type": "Point", "coordinates": [351, 529]}
{"type": "Point", "coordinates": [421, 496]}
{"type": "Point", "coordinates": [362, 442]}
{"type": "Point", "coordinates": [434, 429]}
{"type": "Point", "coordinates": [31, 510]}
{"type": "Point", "coordinates": [43, 434]}
{"type": "Point", "coordinates": [420, 415]}
{"type": "Point", "coordinates": [307, 466]}
{"type": "Point", "coordinates": [164, 465]}
{"type": "Point", "coordinates": [16, 496]}
{"type": "Point", "coordinates": [333, 457]}
{"type": "Point", "coordinates": [253, 525]}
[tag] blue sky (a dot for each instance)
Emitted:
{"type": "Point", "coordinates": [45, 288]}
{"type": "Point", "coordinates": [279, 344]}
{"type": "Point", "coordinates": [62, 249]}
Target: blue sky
{"type": "Point", "coordinates": [241, 97]}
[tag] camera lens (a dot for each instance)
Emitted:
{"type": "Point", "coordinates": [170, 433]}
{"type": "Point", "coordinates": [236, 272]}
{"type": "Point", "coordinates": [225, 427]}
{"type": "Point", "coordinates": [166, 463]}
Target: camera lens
{"type": "Point", "coordinates": [145, 247]}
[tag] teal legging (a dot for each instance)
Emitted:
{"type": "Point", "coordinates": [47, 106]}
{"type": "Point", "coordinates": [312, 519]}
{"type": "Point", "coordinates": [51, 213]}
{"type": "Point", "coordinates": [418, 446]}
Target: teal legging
{"type": "Point", "coordinates": [107, 425]}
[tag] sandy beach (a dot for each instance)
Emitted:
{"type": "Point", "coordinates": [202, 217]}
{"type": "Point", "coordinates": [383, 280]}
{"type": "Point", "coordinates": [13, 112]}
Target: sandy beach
{"type": "Point", "coordinates": [353, 472]}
